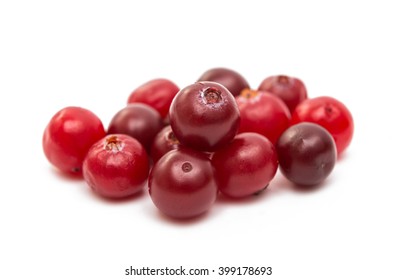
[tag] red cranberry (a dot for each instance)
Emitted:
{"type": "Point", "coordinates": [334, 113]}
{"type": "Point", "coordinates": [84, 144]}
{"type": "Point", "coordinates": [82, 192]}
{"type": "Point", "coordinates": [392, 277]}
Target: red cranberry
{"type": "Point", "coordinates": [204, 116]}
{"type": "Point", "coordinates": [291, 90]}
{"type": "Point", "coordinates": [68, 137]}
{"type": "Point", "coordinates": [306, 153]}
{"type": "Point", "coordinates": [164, 142]}
{"type": "Point", "coordinates": [246, 166]}
{"type": "Point", "coordinates": [139, 121]}
{"type": "Point", "coordinates": [116, 166]}
{"type": "Point", "coordinates": [181, 183]}
{"type": "Point", "coordinates": [263, 113]}
{"type": "Point", "coordinates": [157, 93]}
{"type": "Point", "coordinates": [231, 79]}
{"type": "Point", "coordinates": [329, 113]}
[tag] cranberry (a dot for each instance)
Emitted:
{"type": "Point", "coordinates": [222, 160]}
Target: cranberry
{"type": "Point", "coordinates": [139, 121]}
{"type": "Point", "coordinates": [68, 137]}
{"type": "Point", "coordinates": [291, 90]}
{"type": "Point", "coordinates": [246, 166]}
{"type": "Point", "coordinates": [116, 166]}
{"type": "Point", "coordinates": [204, 116]}
{"type": "Point", "coordinates": [164, 142]}
{"type": "Point", "coordinates": [181, 183]}
{"type": "Point", "coordinates": [157, 93]}
{"type": "Point", "coordinates": [307, 153]}
{"type": "Point", "coordinates": [329, 113]}
{"type": "Point", "coordinates": [231, 79]}
{"type": "Point", "coordinates": [263, 113]}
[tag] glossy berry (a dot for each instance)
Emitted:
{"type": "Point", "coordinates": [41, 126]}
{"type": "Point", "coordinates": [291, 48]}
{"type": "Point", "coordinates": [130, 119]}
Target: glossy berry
{"type": "Point", "coordinates": [164, 142]}
{"type": "Point", "coordinates": [306, 153]}
{"type": "Point", "coordinates": [68, 137]}
{"type": "Point", "coordinates": [181, 183]}
{"type": "Point", "coordinates": [139, 121]}
{"type": "Point", "coordinates": [291, 90]}
{"type": "Point", "coordinates": [204, 116]}
{"type": "Point", "coordinates": [329, 113]}
{"type": "Point", "coordinates": [262, 113]}
{"type": "Point", "coordinates": [116, 166]}
{"type": "Point", "coordinates": [157, 93]}
{"type": "Point", "coordinates": [246, 166]}
{"type": "Point", "coordinates": [231, 79]}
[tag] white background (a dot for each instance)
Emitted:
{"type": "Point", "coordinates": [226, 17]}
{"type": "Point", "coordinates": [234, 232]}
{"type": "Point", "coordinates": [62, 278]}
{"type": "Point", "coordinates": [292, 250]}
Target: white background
{"type": "Point", "coordinates": [94, 53]}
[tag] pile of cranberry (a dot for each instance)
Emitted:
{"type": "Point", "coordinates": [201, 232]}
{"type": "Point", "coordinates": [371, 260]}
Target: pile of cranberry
{"type": "Point", "coordinates": [216, 136]}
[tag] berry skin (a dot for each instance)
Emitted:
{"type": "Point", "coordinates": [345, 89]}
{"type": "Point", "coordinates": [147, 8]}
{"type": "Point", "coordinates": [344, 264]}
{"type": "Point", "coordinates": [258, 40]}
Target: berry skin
{"type": "Point", "coordinates": [245, 166]}
{"type": "Point", "coordinates": [68, 137]}
{"type": "Point", "coordinates": [164, 142]}
{"type": "Point", "coordinates": [204, 116]}
{"type": "Point", "coordinates": [291, 90]}
{"type": "Point", "coordinates": [137, 120]}
{"type": "Point", "coordinates": [262, 113]}
{"type": "Point", "coordinates": [181, 183]}
{"type": "Point", "coordinates": [307, 153]}
{"type": "Point", "coordinates": [157, 93]}
{"type": "Point", "coordinates": [231, 79]}
{"type": "Point", "coordinates": [329, 113]}
{"type": "Point", "coordinates": [116, 166]}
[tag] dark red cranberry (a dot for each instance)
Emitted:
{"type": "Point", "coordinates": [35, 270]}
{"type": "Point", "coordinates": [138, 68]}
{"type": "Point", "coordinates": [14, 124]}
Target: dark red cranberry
{"type": "Point", "coordinates": [306, 153]}
{"type": "Point", "coordinates": [181, 183]}
{"type": "Point", "coordinates": [204, 116]}
{"type": "Point", "coordinates": [116, 166]}
{"type": "Point", "coordinates": [164, 142]}
{"type": "Point", "coordinates": [262, 113]}
{"type": "Point", "coordinates": [157, 93]}
{"type": "Point", "coordinates": [231, 79]}
{"type": "Point", "coordinates": [329, 113]}
{"type": "Point", "coordinates": [139, 121]}
{"type": "Point", "coordinates": [246, 166]}
{"type": "Point", "coordinates": [68, 137]}
{"type": "Point", "coordinates": [291, 90]}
